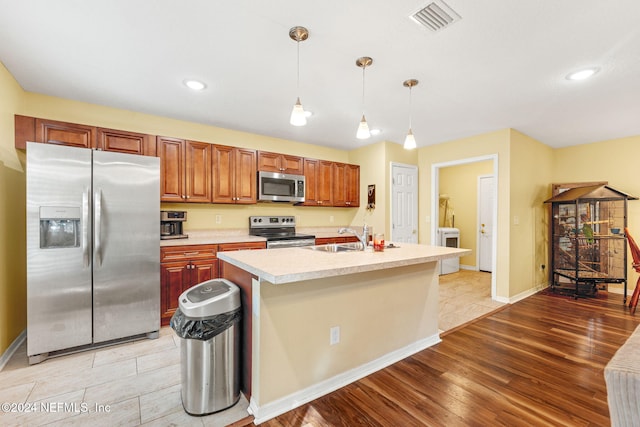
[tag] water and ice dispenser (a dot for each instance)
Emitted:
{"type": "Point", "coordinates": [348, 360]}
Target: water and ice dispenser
{"type": "Point", "coordinates": [59, 227]}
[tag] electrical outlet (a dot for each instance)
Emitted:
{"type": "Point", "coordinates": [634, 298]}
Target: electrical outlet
{"type": "Point", "coordinates": [334, 335]}
{"type": "Point", "coordinates": [331, 219]}
{"type": "Point", "coordinates": [218, 219]}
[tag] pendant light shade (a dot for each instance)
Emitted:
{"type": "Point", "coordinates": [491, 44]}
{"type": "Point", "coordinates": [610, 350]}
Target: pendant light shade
{"type": "Point", "coordinates": [410, 140]}
{"type": "Point", "coordinates": [298, 117]}
{"type": "Point", "coordinates": [363, 127]}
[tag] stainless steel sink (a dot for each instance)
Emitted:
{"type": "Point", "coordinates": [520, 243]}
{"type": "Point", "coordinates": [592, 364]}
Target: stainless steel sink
{"type": "Point", "coordinates": [337, 247]}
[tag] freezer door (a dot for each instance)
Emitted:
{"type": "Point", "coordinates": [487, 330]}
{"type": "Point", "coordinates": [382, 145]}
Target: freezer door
{"type": "Point", "coordinates": [126, 256]}
{"type": "Point", "coordinates": [58, 248]}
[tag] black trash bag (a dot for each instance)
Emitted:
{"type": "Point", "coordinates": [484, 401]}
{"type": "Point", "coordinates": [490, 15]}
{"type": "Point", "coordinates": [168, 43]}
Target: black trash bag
{"type": "Point", "coordinates": [203, 328]}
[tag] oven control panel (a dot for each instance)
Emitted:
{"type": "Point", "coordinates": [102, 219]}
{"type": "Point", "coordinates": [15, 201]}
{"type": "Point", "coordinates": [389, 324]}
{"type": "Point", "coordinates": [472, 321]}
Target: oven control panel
{"type": "Point", "coordinates": [271, 221]}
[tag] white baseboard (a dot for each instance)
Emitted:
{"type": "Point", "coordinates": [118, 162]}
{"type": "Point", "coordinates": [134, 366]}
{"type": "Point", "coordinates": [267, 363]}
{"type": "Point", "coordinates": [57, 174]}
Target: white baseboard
{"type": "Point", "coordinates": [6, 356]}
{"type": "Point", "coordinates": [278, 407]}
{"type": "Point", "coordinates": [525, 294]}
{"type": "Point", "coordinates": [468, 267]}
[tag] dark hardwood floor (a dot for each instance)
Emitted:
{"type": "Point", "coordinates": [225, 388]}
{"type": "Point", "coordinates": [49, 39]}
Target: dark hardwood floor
{"type": "Point", "coordinates": [538, 362]}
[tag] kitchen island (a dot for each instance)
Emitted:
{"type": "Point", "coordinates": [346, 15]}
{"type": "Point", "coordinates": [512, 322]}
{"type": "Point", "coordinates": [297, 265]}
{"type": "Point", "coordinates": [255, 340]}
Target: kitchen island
{"type": "Point", "coordinates": [316, 321]}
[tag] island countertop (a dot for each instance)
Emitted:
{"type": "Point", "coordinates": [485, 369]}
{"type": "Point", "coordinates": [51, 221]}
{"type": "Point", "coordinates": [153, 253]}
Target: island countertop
{"type": "Point", "coordinates": [287, 265]}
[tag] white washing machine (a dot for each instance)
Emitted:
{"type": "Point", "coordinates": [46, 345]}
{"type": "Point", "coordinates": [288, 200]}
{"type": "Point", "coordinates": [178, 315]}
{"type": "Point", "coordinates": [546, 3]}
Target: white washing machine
{"type": "Point", "coordinates": [449, 237]}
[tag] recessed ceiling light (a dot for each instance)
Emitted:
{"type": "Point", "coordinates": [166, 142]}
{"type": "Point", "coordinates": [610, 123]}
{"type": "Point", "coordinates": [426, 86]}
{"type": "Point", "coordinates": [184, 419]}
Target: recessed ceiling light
{"type": "Point", "coordinates": [375, 131]}
{"type": "Point", "coordinates": [194, 84]}
{"type": "Point", "coordinates": [582, 74]}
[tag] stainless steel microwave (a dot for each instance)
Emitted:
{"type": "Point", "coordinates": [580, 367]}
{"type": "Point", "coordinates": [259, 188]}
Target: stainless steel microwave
{"type": "Point", "coordinates": [280, 187]}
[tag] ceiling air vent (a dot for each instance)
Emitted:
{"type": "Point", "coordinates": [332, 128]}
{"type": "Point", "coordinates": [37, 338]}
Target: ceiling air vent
{"type": "Point", "coordinates": [436, 16]}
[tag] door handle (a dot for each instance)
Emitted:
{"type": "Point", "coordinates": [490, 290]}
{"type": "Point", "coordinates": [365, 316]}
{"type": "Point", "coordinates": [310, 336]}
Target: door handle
{"type": "Point", "coordinates": [85, 227]}
{"type": "Point", "coordinates": [97, 202]}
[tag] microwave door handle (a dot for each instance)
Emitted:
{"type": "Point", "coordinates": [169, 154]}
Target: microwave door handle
{"type": "Point", "coordinates": [97, 225]}
{"type": "Point", "coordinates": [85, 227]}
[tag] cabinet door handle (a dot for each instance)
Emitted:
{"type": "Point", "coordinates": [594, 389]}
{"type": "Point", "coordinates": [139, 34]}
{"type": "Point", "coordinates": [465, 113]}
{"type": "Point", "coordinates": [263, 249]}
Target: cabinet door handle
{"type": "Point", "coordinates": [191, 253]}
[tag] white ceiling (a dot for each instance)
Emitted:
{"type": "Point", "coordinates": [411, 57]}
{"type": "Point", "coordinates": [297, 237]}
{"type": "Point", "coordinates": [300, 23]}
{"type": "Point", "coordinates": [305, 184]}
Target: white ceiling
{"type": "Point", "coordinates": [502, 65]}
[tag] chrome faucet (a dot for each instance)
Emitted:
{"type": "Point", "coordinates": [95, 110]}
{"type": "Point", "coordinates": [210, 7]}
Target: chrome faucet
{"type": "Point", "coordinates": [364, 239]}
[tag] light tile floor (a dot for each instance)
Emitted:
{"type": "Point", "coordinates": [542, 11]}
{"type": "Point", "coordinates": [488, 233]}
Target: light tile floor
{"type": "Point", "coordinates": [131, 384]}
{"type": "Point", "coordinates": [464, 296]}
{"type": "Point", "coordinates": [139, 382]}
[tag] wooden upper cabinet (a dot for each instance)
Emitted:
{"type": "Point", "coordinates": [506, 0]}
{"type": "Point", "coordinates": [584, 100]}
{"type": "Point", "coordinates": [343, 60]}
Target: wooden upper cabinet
{"type": "Point", "coordinates": [352, 181]}
{"type": "Point", "coordinates": [84, 136]}
{"type": "Point", "coordinates": [126, 142]}
{"type": "Point", "coordinates": [223, 174]}
{"type": "Point", "coordinates": [198, 171]}
{"type": "Point", "coordinates": [346, 185]}
{"type": "Point", "coordinates": [318, 177]}
{"type": "Point", "coordinates": [25, 130]}
{"type": "Point", "coordinates": [171, 153]}
{"type": "Point", "coordinates": [69, 134]}
{"type": "Point", "coordinates": [282, 163]}
{"type": "Point", "coordinates": [234, 175]}
{"type": "Point", "coordinates": [185, 170]}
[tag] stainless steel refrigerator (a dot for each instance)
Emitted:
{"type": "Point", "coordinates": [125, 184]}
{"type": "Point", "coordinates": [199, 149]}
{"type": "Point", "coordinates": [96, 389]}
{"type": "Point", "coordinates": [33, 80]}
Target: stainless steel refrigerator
{"type": "Point", "coordinates": [93, 248]}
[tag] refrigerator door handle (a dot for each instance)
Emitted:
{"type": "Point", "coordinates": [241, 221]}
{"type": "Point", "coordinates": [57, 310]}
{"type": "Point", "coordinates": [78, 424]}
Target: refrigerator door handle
{"type": "Point", "coordinates": [97, 203]}
{"type": "Point", "coordinates": [85, 227]}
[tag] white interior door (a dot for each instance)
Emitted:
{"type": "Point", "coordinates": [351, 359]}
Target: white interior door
{"type": "Point", "coordinates": [485, 221]}
{"type": "Point", "coordinates": [404, 204]}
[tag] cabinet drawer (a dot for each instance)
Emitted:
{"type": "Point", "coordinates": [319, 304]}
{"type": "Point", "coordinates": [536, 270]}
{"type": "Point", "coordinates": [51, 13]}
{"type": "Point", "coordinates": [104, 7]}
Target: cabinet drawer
{"type": "Point", "coordinates": [241, 246]}
{"type": "Point", "coordinates": [188, 252]}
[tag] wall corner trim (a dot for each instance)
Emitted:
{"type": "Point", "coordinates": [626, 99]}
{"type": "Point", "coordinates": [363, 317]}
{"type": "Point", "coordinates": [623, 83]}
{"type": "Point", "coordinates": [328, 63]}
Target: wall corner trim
{"type": "Point", "coordinates": [6, 356]}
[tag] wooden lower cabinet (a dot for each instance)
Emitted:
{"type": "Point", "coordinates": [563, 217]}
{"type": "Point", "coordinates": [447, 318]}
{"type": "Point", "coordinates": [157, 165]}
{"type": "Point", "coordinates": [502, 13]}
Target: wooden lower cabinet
{"type": "Point", "coordinates": [182, 267]}
{"type": "Point", "coordinates": [239, 246]}
{"type": "Point", "coordinates": [328, 240]}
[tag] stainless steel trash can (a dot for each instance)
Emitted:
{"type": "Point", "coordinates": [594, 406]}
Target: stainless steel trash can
{"type": "Point", "coordinates": [208, 321]}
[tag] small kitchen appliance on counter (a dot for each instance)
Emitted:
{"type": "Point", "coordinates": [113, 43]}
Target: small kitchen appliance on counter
{"type": "Point", "coordinates": [171, 225]}
{"type": "Point", "coordinates": [280, 231]}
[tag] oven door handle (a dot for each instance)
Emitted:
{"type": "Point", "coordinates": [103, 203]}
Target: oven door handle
{"type": "Point", "coordinates": [296, 243]}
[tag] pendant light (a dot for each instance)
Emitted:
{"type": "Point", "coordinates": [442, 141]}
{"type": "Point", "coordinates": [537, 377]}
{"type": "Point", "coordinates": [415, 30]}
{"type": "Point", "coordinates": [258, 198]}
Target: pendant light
{"type": "Point", "coordinates": [298, 118]}
{"type": "Point", "coordinates": [410, 140]}
{"type": "Point", "coordinates": [363, 127]}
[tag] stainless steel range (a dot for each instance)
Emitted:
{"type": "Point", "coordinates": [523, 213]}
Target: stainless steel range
{"type": "Point", "coordinates": [280, 231]}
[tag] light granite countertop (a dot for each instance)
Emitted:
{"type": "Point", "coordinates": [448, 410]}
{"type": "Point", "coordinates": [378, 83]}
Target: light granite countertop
{"type": "Point", "coordinates": [287, 265]}
{"type": "Point", "coordinates": [213, 236]}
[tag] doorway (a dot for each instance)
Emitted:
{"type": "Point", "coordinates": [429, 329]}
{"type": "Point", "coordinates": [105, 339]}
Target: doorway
{"type": "Point", "coordinates": [491, 197]}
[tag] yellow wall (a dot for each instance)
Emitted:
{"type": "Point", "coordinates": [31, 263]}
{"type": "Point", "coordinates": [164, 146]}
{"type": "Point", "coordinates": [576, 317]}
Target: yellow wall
{"type": "Point", "coordinates": [616, 161]}
{"type": "Point", "coordinates": [493, 143]}
{"type": "Point", "coordinates": [531, 172]}
{"type": "Point", "coordinates": [375, 169]}
{"type": "Point", "coordinates": [460, 184]}
{"type": "Point", "coordinates": [377, 311]}
{"type": "Point", "coordinates": [13, 272]}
